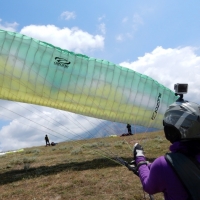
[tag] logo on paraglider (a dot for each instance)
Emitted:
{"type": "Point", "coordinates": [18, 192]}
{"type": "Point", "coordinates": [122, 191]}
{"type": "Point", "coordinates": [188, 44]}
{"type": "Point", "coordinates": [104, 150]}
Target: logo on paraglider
{"type": "Point", "coordinates": [61, 62]}
{"type": "Point", "coordinates": [157, 106]}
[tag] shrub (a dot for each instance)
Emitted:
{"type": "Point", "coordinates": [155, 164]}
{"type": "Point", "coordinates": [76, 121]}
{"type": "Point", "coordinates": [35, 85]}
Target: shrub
{"type": "Point", "coordinates": [77, 151]}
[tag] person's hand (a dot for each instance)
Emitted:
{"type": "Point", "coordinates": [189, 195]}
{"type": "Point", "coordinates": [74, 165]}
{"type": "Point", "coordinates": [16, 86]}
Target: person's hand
{"type": "Point", "coordinates": [137, 151]}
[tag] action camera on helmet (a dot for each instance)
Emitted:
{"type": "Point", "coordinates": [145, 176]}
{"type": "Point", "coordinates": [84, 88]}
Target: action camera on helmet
{"type": "Point", "coordinates": [181, 88]}
{"type": "Point", "coordinates": [182, 118]}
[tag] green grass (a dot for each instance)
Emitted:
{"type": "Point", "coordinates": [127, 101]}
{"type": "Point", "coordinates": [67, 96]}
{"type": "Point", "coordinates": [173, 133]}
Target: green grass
{"type": "Point", "coordinates": [78, 170]}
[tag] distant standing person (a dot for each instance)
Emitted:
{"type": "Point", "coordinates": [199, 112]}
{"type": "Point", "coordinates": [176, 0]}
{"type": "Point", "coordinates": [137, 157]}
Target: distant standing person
{"type": "Point", "coordinates": [47, 140]}
{"type": "Point", "coordinates": [129, 129]}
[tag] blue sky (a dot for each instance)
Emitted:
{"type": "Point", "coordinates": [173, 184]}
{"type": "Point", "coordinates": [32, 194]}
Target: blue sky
{"type": "Point", "coordinates": [157, 38]}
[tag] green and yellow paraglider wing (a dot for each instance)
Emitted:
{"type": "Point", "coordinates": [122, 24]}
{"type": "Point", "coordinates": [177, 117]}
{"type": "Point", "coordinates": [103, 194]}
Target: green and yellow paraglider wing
{"type": "Point", "coordinates": [38, 73]}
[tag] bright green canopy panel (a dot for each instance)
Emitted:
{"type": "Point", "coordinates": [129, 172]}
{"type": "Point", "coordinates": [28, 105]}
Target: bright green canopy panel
{"type": "Point", "coordinates": [36, 72]}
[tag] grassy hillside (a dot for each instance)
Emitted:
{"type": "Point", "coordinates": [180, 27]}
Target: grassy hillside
{"type": "Point", "coordinates": [81, 170]}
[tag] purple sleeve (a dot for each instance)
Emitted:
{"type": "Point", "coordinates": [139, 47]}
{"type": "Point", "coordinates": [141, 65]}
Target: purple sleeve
{"type": "Point", "coordinates": [160, 177]}
{"type": "Point", "coordinates": [151, 176]}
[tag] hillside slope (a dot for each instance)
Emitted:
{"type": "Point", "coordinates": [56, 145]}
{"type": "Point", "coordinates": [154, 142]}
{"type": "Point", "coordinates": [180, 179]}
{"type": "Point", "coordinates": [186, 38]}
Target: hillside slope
{"type": "Point", "coordinates": [78, 170]}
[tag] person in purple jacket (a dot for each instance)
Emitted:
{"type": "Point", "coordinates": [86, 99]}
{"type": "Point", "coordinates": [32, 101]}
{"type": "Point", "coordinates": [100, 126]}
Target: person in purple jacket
{"type": "Point", "coordinates": [182, 128]}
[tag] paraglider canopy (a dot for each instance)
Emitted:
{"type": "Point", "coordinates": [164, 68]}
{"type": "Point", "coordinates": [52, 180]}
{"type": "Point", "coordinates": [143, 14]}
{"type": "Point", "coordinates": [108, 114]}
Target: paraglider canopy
{"type": "Point", "coordinates": [36, 72]}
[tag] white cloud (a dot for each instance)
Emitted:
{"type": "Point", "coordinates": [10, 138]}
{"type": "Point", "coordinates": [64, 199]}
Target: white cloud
{"type": "Point", "coordinates": [130, 28]}
{"type": "Point", "coordinates": [102, 28]}
{"type": "Point", "coordinates": [73, 39]}
{"type": "Point", "coordinates": [170, 66]}
{"type": "Point", "coordinates": [119, 37]}
{"type": "Point", "coordinates": [101, 18]}
{"type": "Point", "coordinates": [137, 21]}
{"type": "Point", "coordinates": [8, 26]}
{"type": "Point", "coordinates": [68, 15]}
{"type": "Point", "coordinates": [28, 128]}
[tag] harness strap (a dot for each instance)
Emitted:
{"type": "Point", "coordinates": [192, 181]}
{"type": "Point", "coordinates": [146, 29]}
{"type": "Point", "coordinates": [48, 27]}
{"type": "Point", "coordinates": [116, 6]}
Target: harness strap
{"type": "Point", "coordinates": [187, 172]}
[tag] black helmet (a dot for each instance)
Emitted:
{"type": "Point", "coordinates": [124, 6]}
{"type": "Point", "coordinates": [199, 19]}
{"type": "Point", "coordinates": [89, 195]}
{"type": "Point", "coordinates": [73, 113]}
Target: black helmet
{"type": "Point", "coordinates": [182, 121]}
